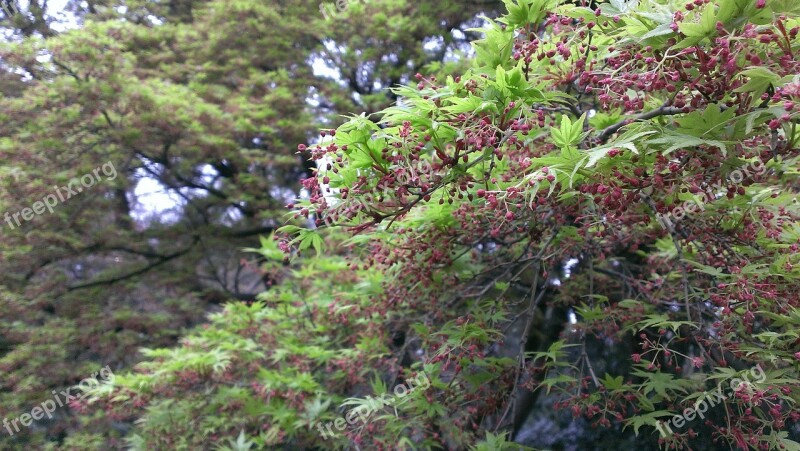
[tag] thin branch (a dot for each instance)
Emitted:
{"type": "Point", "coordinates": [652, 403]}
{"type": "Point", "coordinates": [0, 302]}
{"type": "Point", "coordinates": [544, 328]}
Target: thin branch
{"type": "Point", "coordinates": [529, 315]}
{"type": "Point", "coordinates": [157, 263]}
{"type": "Point", "coordinates": [663, 110]}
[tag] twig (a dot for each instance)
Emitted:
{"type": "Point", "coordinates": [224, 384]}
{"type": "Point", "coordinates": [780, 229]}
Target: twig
{"type": "Point", "coordinates": [159, 262]}
{"type": "Point", "coordinates": [663, 110]}
{"type": "Point", "coordinates": [535, 298]}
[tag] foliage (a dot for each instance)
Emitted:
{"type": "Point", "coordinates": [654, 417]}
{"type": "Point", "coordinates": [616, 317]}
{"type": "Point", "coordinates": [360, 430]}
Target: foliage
{"type": "Point", "coordinates": [202, 102]}
{"type": "Point", "coordinates": [586, 184]}
{"type": "Point", "coordinates": [591, 134]}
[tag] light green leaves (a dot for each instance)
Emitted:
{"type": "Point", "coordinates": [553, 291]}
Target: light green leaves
{"type": "Point", "coordinates": [612, 383]}
{"type": "Point", "coordinates": [707, 123]}
{"type": "Point", "coordinates": [524, 12]}
{"type": "Point", "coordinates": [269, 249]}
{"type": "Point", "coordinates": [495, 48]}
{"type": "Point", "coordinates": [499, 442]}
{"type": "Point", "coordinates": [469, 104]}
{"type": "Point", "coordinates": [555, 354]}
{"type": "Point", "coordinates": [674, 141]}
{"type": "Point", "coordinates": [647, 419]}
{"type": "Point", "coordinates": [662, 321]}
{"type": "Point", "coordinates": [701, 29]}
{"type": "Point", "coordinates": [627, 141]}
{"type": "Point", "coordinates": [760, 78]}
{"type": "Point", "coordinates": [710, 127]}
{"type": "Point", "coordinates": [514, 85]}
{"type": "Point", "coordinates": [731, 13]}
{"type": "Point", "coordinates": [665, 385]}
{"type": "Point", "coordinates": [569, 134]}
{"type": "Point", "coordinates": [304, 238]}
{"type": "Point", "coordinates": [660, 30]}
{"type": "Point", "coordinates": [241, 443]}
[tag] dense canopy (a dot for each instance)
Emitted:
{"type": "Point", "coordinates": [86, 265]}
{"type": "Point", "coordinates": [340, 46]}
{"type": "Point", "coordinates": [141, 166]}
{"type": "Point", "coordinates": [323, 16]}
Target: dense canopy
{"type": "Point", "coordinates": [385, 224]}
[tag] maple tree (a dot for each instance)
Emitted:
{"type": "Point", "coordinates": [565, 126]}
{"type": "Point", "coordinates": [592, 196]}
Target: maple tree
{"type": "Point", "coordinates": [574, 132]}
{"type": "Point", "coordinates": [596, 212]}
{"type": "Point", "coordinates": [502, 230]}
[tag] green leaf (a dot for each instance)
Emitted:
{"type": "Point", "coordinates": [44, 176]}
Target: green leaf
{"type": "Point", "coordinates": [661, 30]}
{"type": "Point", "coordinates": [626, 141]}
{"type": "Point", "coordinates": [647, 419]}
{"type": "Point", "coordinates": [612, 383]}
{"type": "Point", "coordinates": [309, 238]}
{"type": "Point", "coordinates": [663, 321]}
{"type": "Point", "coordinates": [709, 122]}
{"type": "Point", "coordinates": [674, 141]}
{"type": "Point", "coordinates": [707, 25]}
{"type": "Point", "coordinates": [761, 78]}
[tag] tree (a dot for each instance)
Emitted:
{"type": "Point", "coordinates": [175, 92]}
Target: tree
{"type": "Point", "coordinates": [633, 164]}
{"type": "Point", "coordinates": [652, 145]}
{"type": "Point", "coordinates": [206, 100]}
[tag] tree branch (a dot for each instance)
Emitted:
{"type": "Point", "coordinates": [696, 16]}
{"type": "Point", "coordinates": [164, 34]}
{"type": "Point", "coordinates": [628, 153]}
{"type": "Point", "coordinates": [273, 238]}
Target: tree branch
{"type": "Point", "coordinates": [160, 261]}
{"type": "Point", "coordinates": [663, 110]}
